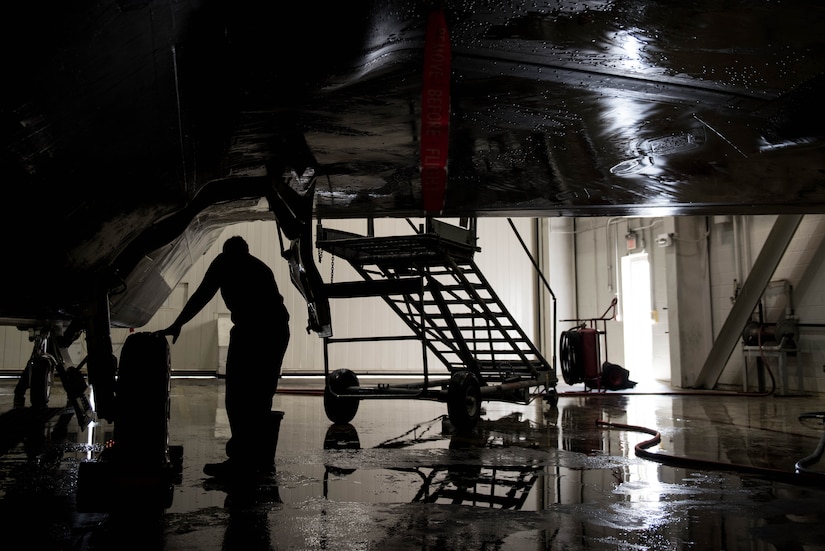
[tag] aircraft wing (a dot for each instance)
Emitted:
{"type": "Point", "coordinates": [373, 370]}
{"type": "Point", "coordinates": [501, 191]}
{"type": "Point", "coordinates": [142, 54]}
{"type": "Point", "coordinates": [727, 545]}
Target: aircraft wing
{"type": "Point", "coordinates": [133, 130]}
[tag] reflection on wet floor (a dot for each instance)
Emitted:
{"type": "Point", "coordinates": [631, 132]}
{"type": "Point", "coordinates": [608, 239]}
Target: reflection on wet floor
{"type": "Point", "coordinates": [399, 477]}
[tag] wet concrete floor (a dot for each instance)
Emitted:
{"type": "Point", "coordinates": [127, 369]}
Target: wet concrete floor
{"type": "Point", "coordinates": [398, 477]}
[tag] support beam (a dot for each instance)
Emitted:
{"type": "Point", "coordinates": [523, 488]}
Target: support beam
{"type": "Point", "coordinates": [754, 286]}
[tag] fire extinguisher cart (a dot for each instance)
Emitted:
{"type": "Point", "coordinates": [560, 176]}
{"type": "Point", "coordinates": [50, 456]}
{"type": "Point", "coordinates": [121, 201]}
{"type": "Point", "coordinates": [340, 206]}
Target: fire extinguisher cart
{"type": "Point", "coordinates": [580, 350]}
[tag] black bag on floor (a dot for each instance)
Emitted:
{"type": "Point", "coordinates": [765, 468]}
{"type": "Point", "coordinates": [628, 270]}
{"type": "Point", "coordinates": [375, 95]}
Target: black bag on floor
{"type": "Point", "coordinates": [615, 377]}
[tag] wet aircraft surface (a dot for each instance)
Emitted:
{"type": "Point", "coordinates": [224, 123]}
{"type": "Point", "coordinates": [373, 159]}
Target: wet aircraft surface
{"type": "Point", "coordinates": [134, 131]}
{"type": "Point", "coordinates": [399, 477]}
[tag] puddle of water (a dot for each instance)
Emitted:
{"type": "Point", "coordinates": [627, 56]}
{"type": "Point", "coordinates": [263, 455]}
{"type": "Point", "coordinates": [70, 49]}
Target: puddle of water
{"type": "Point", "coordinates": [399, 476]}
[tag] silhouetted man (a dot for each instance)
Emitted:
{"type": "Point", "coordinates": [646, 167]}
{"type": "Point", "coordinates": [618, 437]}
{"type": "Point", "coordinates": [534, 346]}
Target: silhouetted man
{"type": "Point", "coordinates": [257, 344]}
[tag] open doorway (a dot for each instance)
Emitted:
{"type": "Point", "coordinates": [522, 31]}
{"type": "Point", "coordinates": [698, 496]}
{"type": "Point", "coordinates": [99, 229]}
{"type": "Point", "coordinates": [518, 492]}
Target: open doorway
{"type": "Point", "coordinates": [636, 316]}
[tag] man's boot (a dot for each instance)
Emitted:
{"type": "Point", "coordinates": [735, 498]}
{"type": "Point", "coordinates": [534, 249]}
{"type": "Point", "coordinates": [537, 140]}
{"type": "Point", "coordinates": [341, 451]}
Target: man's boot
{"type": "Point", "coordinates": [251, 466]}
{"type": "Point", "coordinates": [270, 441]}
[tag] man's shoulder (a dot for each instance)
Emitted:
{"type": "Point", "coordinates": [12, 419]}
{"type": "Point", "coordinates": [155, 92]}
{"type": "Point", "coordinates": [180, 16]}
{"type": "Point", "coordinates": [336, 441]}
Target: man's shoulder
{"type": "Point", "coordinates": [258, 263]}
{"type": "Point", "coordinates": [229, 268]}
{"type": "Point", "coordinates": [238, 260]}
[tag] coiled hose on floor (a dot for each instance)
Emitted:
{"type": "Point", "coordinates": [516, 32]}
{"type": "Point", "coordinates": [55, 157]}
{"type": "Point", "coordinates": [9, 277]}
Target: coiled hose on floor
{"type": "Point", "coordinates": [800, 476]}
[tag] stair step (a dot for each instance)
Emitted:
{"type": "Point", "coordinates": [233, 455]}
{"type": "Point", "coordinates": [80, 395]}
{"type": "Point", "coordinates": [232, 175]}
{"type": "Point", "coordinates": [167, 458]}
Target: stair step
{"type": "Point", "coordinates": [466, 305]}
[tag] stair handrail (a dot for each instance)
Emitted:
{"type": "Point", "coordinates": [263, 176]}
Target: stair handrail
{"type": "Point", "coordinates": [544, 280]}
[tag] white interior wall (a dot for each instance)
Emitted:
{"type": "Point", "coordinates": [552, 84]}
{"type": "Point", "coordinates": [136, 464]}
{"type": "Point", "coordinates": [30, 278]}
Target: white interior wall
{"type": "Point", "coordinates": [730, 262]}
{"type": "Point", "coordinates": [694, 299]}
{"type": "Point", "coordinates": [687, 272]}
{"type": "Point", "coordinates": [801, 268]}
{"type": "Point", "coordinates": [555, 254]}
{"type": "Point", "coordinates": [365, 317]}
{"type": "Point", "coordinates": [501, 260]}
{"type": "Point", "coordinates": [510, 272]}
{"type": "Point", "coordinates": [15, 349]}
{"type": "Point", "coordinates": [660, 328]}
{"type": "Point", "coordinates": [600, 244]}
{"type": "Point", "coordinates": [596, 280]}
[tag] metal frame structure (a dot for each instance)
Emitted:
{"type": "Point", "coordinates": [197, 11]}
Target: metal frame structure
{"type": "Point", "coordinates": [431, 281]}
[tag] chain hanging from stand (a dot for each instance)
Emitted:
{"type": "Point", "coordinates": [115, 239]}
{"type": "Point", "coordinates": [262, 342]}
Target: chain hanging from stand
{"type": "Point", "coordinates": [331, 264]}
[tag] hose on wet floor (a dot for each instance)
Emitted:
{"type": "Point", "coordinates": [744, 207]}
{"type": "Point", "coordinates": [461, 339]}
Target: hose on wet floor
{"type": "Point", "coordinates": [801, 476]}
{"type": "Point", "coordinates": [802, 465]}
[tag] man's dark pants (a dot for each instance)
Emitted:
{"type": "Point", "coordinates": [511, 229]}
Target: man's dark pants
{"type": "Point", "coordinates": [253, 366]}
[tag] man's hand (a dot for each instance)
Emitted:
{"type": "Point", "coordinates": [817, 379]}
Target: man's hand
{"type": "Point", "coordinates": [173, 330]}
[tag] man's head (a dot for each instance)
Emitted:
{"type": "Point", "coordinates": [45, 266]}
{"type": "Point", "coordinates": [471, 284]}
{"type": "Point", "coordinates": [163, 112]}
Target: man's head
{"type": "Point", "coordinates": [235, 245]}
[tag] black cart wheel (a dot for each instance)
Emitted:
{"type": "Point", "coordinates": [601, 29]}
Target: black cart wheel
{"type": "Point", "coordinates": [340, 409]}
{"type": "Point", "coordinates": [41, 377]}
{"type": "Point", "coordinates": [464, 400]}
{"type": "Point", "coordinates": [552, 397]}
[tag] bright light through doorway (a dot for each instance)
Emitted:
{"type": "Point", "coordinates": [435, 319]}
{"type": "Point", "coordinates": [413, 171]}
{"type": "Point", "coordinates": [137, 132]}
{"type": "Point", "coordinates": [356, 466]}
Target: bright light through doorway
{"type": "Point", "coordinates": [636, 308]}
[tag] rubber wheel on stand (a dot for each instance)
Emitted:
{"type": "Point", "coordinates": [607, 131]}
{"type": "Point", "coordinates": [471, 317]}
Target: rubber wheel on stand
{"type": "Point", "coordinates": [41, 377]}
{"type": "Point", "coordinates": [464, 400]}
{"type": "Point", "coordinates": [340, 409]}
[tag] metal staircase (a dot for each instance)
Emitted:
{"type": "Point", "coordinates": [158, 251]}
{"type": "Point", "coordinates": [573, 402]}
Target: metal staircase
{"type": "Point", "coordinates": [465, 324]}
{"type": "Point", "coordinates": [430, 280]}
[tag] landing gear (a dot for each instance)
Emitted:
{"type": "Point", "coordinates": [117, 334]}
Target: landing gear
{"type": "Point", "coordinates": [50, 355]}
{"type": "Point", "coordinates": [139, 470]}
{"type": "Point", "coordinates": [341, 409]}
{"type": "Point", "coordinates": [41, 376]}
{"type": "Point", "coordinates": [464, 400]}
